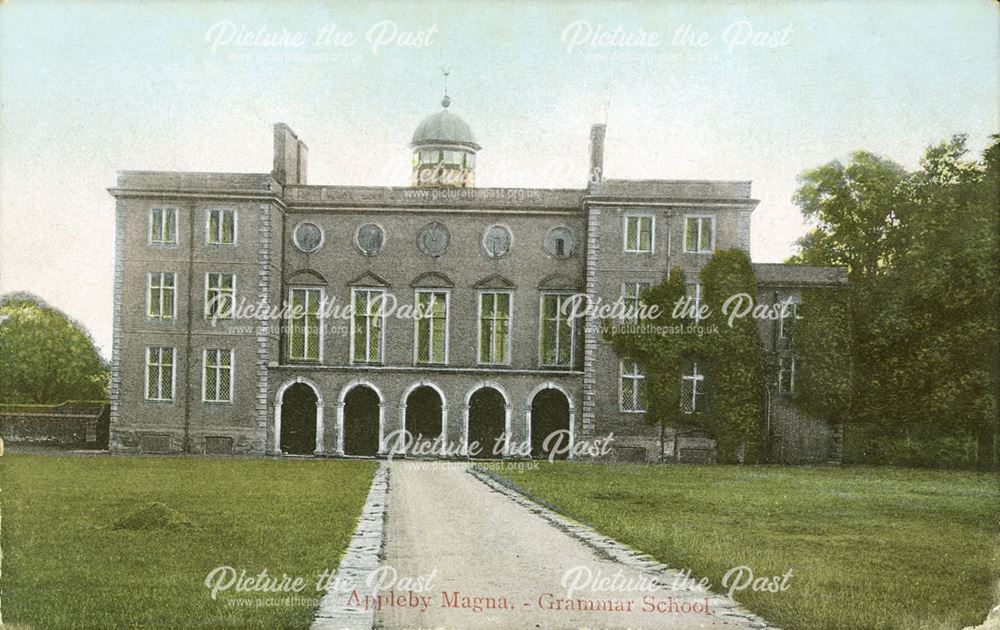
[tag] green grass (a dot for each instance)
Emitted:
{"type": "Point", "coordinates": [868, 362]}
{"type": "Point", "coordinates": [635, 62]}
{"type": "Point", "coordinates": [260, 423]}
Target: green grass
{"type": "Point", "coordinates": [869, 547]}
{"type": "Point", "coordinates": [65, 565]}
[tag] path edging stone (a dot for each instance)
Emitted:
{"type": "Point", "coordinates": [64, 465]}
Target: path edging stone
{"type": "Point", "coordinates": [360, 560]}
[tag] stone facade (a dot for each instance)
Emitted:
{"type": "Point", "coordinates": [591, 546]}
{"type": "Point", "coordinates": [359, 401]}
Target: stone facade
{"type": "Point", "coordinates": [290, 392]}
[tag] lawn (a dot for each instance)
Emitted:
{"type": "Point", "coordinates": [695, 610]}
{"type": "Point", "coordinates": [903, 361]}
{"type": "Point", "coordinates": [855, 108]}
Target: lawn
{"type": "Point", "coordinates": [65, 565]}
{"type": "Point", "coordinates": [868, 547]}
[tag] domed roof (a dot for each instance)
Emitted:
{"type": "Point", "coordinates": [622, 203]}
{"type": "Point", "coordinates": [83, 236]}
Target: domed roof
{"type": "Point", "coordinates": [444, 128]}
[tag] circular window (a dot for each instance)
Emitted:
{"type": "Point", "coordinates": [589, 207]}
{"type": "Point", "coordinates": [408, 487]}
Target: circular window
{"type": "Point", "coordinates": [369, 239]}
{"type": "Point", "coordinates": [496, 241]}
{"type": "Point", "coordinates": [559, 242]}
{"type": "Point", "coordinates": [307, 237]}
{"type": "Point", "coordinates": [433, 239]}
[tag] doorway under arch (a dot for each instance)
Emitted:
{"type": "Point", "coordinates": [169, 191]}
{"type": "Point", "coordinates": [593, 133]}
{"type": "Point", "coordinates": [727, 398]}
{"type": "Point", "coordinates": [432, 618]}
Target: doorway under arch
{"type": "Point", "coordinates": [550, 413]}
{"type": "Point", "coordinates": [362, 412]}
{"type": "Point", "coordinates": [487, 422]}
{"type": "Point", "coordinates": [298, 420]}
{"type": "Point", "coordinates": [424, 414]}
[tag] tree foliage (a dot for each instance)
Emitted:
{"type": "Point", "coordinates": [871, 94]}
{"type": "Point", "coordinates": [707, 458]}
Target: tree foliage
{"type": "Point", "coordinates": [922, 253]}
{"type": "Point", "coordinates": [824, 384]}
{"type": "Point", "coordinates": [45, 357]}
{"type": "Point", "coordinates": [730, 357]}
{"type": "Point", "coordinates": [734, 355]}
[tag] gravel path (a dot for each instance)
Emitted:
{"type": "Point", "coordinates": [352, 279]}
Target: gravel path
{"type": "Point", "coordinates": [496, 560]}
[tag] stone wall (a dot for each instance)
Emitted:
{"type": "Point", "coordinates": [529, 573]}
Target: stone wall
{"type": "Point", "coordinates": [69, 425]}
{"type": "Point", "coordinates": [797, 438]}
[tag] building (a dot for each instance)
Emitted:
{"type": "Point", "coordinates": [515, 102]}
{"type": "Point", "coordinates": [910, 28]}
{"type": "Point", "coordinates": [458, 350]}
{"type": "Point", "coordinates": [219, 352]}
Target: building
{"type": "Point", "coordinates": [205, 261]}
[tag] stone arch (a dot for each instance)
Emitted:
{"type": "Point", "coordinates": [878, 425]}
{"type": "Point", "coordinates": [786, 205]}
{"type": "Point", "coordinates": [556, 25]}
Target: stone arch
{"type": "Point", "coordinates": [342, 401]}
{"type": "Point", "coordinates": [279, 398]}
{"type": "Point", "coordinates": [529, 403]}
{"type": "Point", "coordinates": [412, 387]}
{"type": "Point", "coordinates": [508, 412]}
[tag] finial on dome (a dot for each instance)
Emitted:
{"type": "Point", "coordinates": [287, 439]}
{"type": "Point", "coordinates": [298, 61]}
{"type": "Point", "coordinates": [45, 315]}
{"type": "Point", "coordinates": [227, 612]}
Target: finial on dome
{"type": "Point", "coordinates": [445, 102]}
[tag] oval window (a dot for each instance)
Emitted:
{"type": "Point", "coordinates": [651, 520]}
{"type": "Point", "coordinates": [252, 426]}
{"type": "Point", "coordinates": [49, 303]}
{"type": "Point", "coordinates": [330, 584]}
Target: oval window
{"type": "Point", "coordinates": [307, 237]}
{"type": "Point", "coordinates": [497, 241]}
{"type": "Point", "coordinates": [560, 242]}
{"type": "Point", "coordinates": [369, 239]}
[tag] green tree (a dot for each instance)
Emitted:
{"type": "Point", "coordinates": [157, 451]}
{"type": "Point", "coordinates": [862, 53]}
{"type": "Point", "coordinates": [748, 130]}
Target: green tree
{"type": "Point", "coordinates": [731, 357]}
{"type": "Point", "coordinates": [922, 252]}
{"type": "Point", "coordinates": [659, 352]}
{"type": "Point", "coordinates": [824, 384]}
{"type": "Point", "coordinates": [45, 357]}
{"type": "Point", "coordinates": [735, 357]}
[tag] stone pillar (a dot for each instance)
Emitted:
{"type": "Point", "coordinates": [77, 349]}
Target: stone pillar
{"type": "Point", "coordinates": [319, 429]}
{"type": "Point", "coordinates": [340, 429]}
{"type": "Point", "coordinates": [277, 430]}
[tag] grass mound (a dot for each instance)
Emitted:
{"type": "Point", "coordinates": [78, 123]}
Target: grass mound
{"type": "Point", "coordinates": [154, 515]}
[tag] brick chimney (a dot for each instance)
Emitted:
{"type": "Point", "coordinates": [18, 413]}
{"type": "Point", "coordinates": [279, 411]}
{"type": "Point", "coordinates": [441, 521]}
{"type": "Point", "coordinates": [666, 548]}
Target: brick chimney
{"type": "Point", "coordinates": [290, 156]}
{"type": "Point", "coordinates": [596, 173]}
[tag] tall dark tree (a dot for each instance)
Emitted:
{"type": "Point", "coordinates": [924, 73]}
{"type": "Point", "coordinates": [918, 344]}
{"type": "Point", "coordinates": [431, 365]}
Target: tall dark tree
{"type": "Point", "coordinates": [922, 253]}
{"type": "Point", "coordinates": [735, 356]}
{"type": "Point", "coordinates": [45, 357]}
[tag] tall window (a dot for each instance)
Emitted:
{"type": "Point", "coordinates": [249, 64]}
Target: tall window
{"type": "Point", "coordinates": [221, 227]}
{"type": "Point", "coordinates": [431, 323]}
{"type": "Point", "coordinates": [699, 234]}
{"type": "Point", "coordinates": [159, 374]}
{"type": "Point", "coordinates": [217, 375]}
{"type": "Point", "coordinates": [786, 324]}
{"type": "Point", "coordinates": [494, 328]}
{"type": "Point", "coordinates": [638, 234]}
{"type": "Point", "coordinates": [367, 325]}
{"type": "Point", "coordinates": [160, 290]}
{"type": "Point", "coordinates": [556, 344]}
{"type": "Point", "coordinates": [163, 226]}
{"type": "Point", "coordinates": [630, 299]}
{"type": "Point", "coordinates": [786, 375]}
{"type": "Point", "coordinates": [220, 295]}
{"type": "Point", "coordinates": [693, 390]}
{"type": "Point", "coordinates": [632, 387]}
{"type": "Point", "coordinates": [305, 332]}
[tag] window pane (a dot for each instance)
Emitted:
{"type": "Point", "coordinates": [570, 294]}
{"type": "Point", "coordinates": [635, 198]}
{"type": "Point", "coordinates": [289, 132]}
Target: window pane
{"type": "Point", "coordinates": [155, 225]}
{"type": "Point", "coordinates": [628, 394]}
{"type": "Point", "coordinates": [645, 234]}
{"type": "Point", "coordinates": [166, 373]}
{"type": "Point", "coordinates": [691, 235]}
{"type": "Point", "coordinates": [485, 334]}
{"type": "Point", "coordinates": [631, 234]}
{"type": "Point", "coordinates": [705, 243]}
{"type": "Point", "coordinates": [168, 303]}
{"type": "Point", "coordinates": [228, 226]}
{"type": "Point", "coordinates": [439, 341]}
{"type": "Point", "coordinates": [211, 386]}
{"type": "Point", "coordinates": [171, 229]}
{"type": "Point", "coordinates": [503, 305]}
{"type": "Point", "coordinates": [152, 375]}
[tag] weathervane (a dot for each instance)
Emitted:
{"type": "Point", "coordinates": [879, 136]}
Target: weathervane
{"type": "Point", "coordinates": [445, 102]}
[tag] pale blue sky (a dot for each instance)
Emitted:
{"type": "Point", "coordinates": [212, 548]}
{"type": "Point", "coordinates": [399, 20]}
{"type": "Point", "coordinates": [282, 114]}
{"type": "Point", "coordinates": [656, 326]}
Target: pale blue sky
{"type": "Point", "coordinates": [89, 88]}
